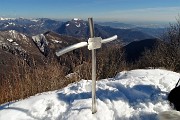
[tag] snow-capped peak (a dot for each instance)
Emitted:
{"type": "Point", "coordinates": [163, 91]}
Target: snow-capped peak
{"type": "Point", "coordinates": [76, 19]}
{"type": "Point", "coordinates": [34, 20]}
{"type": "Point", "coordinates": [13, 33]}
{"type": "Point", "coordinates": [1, 18]}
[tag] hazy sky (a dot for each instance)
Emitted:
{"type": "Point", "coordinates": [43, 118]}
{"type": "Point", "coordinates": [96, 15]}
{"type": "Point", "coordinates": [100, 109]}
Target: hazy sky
{"type": "Point", "coordinates": [106, 10]}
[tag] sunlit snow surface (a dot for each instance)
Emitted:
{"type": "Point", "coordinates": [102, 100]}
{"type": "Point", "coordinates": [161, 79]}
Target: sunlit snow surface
{"type": "Point", "coordinates": [130, 95]}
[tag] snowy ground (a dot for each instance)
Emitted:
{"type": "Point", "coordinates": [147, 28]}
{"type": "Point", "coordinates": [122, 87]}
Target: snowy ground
{"type": "Point", "coordinates": [131, 95]}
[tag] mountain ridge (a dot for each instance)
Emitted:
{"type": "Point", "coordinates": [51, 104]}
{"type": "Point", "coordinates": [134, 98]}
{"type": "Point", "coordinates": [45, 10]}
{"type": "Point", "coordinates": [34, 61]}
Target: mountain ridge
{"type": "Point", "coordinates": [75, 27]}
{"type": "Point", "coordinates": [80, 28]}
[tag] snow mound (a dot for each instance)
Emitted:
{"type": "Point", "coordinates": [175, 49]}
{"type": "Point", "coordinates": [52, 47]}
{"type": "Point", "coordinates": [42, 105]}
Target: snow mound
{"type": "Point", "coordinates": [130, 95]}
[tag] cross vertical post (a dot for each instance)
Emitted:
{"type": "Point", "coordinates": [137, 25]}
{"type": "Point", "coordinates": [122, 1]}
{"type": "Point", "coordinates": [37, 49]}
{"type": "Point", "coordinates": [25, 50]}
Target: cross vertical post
{"type": "Point", "coordinates": [93, 44]}
{"type": "Point", "coordinates": [91, 27]}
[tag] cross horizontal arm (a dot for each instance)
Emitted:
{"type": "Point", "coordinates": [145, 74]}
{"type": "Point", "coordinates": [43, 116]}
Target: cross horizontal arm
{"type": "Point", "coordinates": [70, 48]}
{"type": "Point", "coordinates": [109, 39]}
{"type": "Point", "coordinates": [83, 44]}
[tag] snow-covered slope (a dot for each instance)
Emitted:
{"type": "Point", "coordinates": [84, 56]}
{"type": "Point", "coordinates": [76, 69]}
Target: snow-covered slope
{"type": "Point", "coordinates": [14, 47]}
{"type": "Point", "coordinates": [41, 42]}
{"type": "Point", "coordinates": [130, 95]}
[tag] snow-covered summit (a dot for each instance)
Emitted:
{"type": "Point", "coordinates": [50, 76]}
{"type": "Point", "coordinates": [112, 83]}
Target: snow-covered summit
{"type": "Point", "coordinates": [75, 27]}
{"type": "Point", "coordinates": [76, 19]}
{"type": "Point", "coordinates": [131, 95]}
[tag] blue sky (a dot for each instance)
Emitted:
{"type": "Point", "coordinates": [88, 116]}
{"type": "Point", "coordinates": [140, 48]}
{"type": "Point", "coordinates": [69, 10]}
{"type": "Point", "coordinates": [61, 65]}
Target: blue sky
{"type": "Point", "coordinates": [104, 10]}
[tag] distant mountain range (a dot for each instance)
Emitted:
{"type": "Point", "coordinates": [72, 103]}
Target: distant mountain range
{"type": "Point", "coordinates": [78, 28]}
{"type": "Point", "coordinates": [150, 29]}
{"type": "Point", "coordinates": [116, 24]}
{"type": "Point", "coordinates": [29, 26]}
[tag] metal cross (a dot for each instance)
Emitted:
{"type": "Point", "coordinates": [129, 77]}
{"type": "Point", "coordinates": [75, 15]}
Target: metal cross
{"type": "Point", "coordinates": [93, 44]}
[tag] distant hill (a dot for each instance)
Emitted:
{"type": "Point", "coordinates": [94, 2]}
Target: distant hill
{"type": "Point", "coordinates": [76, 27]}
{"type": "Point", "coordinates": [134, 50]}
{"type": "Point", "coordinates": [127, 35]}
